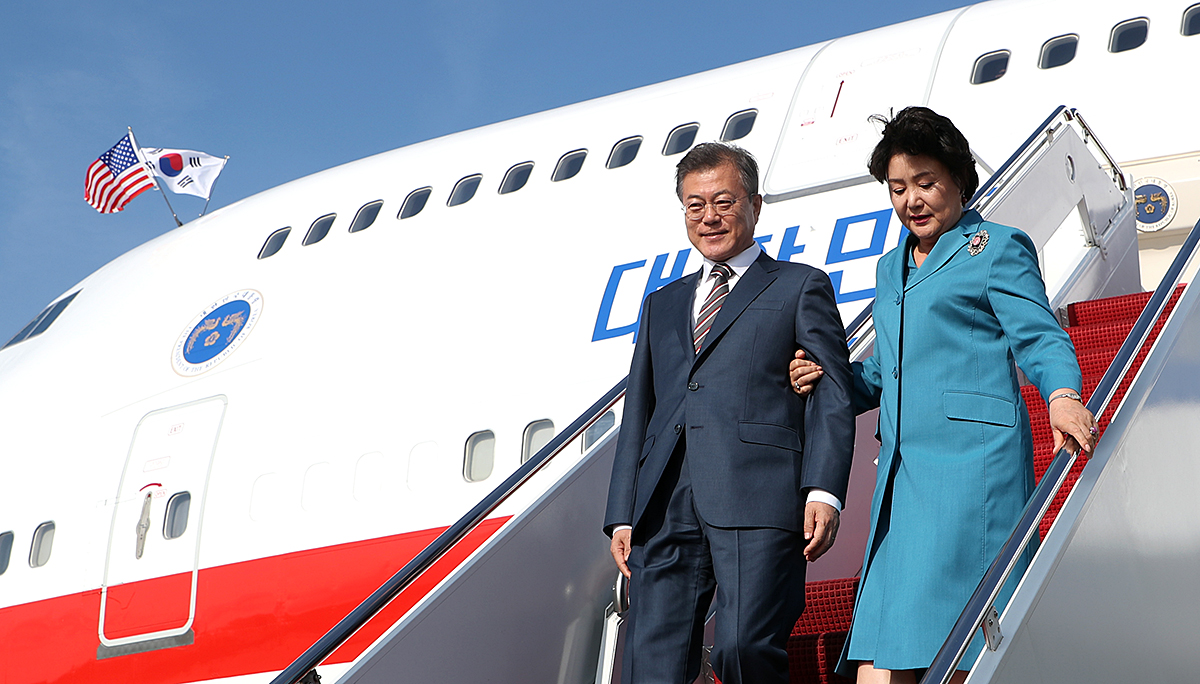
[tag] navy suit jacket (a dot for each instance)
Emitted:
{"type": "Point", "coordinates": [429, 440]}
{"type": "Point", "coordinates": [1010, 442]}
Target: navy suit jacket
{"type": "Point", "coordinates": [752, 444]}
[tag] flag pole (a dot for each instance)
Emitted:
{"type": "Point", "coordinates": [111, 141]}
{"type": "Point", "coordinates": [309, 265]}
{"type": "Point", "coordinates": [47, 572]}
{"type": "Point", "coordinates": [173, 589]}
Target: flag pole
{"type": "Point", "coordinates": [162, 191]}
{"type": "Point", "coordinates": [210, 188]}
{"type": "Point", "coordinates": [157, 184]}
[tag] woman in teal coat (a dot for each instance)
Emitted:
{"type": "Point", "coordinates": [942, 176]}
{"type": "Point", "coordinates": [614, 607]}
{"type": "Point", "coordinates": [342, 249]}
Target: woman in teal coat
{"type": "Point", "coordinates": [959, 305]}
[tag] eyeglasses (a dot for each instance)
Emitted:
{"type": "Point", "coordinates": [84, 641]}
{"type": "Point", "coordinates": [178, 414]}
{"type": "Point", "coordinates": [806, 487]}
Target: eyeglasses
{"type": "Point", "coordinates": [696, 209]}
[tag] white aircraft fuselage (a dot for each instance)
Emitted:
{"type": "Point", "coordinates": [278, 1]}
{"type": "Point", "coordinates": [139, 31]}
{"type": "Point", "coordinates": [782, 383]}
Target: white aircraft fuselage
{"type": "Point", "coordinates": [232, 451]}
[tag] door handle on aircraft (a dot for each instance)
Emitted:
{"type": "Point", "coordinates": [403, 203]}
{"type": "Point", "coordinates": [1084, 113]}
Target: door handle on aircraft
{"type": "Point", "coordinates": [143, 525]}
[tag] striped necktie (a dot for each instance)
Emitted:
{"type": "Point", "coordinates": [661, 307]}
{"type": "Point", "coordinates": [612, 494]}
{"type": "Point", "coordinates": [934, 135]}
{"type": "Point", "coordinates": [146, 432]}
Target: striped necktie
{"type": "Point", "coordinates": [708, 312]}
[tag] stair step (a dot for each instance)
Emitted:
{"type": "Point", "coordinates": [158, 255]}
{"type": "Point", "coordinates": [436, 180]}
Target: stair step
{"type": "Point", "coordinates": [1108, 335]}
{"type": "Point", "coordinates": [1111, 309]}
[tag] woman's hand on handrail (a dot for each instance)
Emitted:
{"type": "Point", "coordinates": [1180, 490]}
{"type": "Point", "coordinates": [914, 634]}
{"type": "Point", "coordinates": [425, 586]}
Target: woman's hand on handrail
{"type": "Point", "coordinates": [1073, 425]}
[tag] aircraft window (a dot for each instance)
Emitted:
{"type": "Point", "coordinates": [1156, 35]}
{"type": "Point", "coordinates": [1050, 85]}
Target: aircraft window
{"type": "Point", "coordinates": [1058, 51]}
{"type": "Point", "coordinates": [598, 429]}
{"type": "Point", "coordinates": [6, 542]}
{"type": "Point", "coordinates": [43, 541]}
{"type": "Point", "coordinates": [990, 67]}
{"type": "Point", "coordinates": [1128, 35]}
{"type": "Point", "coordinates": [739, 125]}
{"type": "Point", "coordinates": [415, 202]}
{"type": "Point", "coordinates": [42, 321]}
{"type": "Point", "coordinates": [267, 497]}
{"type": "Point", "coordinates": [319, 229]}
{"type": "Point", "coordinates": [315, 492]}
{"type": "Point", "coordinates": [464, 190]}
{"type": "Point", "coordinates": [24, 334]}
{"type": "Point", "coordinates": [624, 152]}
{"type": "Point", "coordinates": [680, 139]}
{"type": "Point", "coordinates": [371, 481]}
{"type": "Point", "coordinates": [366, 216]}
{"type": "Point", "coordinates": [274, 243]}
{"type": "Point", "coordinates": [569, 165]}
{"type": "Point", "coordinates": [516, 178]}
{"type": "Point", "coordinates": [480, 455]}
{"type": "Point", "coordinates": [537, 435]}
{"type": "Point", "coordinates": [176, 520]}
{"type": "Point", "coordinates": [1191, 21]}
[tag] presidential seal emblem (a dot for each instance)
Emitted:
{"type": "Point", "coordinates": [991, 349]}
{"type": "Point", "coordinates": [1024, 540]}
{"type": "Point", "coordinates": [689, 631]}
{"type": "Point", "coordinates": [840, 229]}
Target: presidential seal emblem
{"type": "Point", "coordinates": [978, 242]}
{"type": "Point", "coordinates": [216, 333]}
{"type": "Point", "coordinates": [1155, 202]}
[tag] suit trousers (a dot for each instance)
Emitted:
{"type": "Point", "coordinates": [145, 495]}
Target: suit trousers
{"type": "Point", "coordinates": [677, 563]}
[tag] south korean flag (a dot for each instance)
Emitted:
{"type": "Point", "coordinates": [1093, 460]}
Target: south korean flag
{"type": "Point", "coordinates": [185, 172]}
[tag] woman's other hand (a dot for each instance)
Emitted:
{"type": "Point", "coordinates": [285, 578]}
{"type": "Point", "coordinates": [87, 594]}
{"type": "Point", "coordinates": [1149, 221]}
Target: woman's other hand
{"type": "Point", "coordinates": [1073, 425]}
{"type": "Point", "coordinates": [803, 374]}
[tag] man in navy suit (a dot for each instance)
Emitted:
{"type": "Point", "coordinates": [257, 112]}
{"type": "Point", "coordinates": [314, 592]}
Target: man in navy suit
{"type": "Point", "coordinates": [724, 479]}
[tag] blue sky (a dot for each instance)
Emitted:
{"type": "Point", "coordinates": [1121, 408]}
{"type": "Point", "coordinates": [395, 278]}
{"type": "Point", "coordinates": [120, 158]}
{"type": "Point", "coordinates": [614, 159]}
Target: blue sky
{"type": "Point", "coordinates": [288, 89]}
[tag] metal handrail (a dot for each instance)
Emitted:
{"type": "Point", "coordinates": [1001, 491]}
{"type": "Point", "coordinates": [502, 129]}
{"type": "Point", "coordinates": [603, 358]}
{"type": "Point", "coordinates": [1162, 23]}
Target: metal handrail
{"type": "Point", "coordinates": [1118, 175]}
{"type": "Point", "coordinates": [981, 602]}
{"type": "Point", "coordinates": [860, 320]}
{"type": "Point", "coordinates": [382, 596]}
{"type": "Point", "coordinates": [992, 180]}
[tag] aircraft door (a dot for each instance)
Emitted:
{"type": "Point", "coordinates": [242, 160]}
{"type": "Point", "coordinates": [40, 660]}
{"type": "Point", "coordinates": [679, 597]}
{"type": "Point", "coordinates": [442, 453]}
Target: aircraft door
{"type": "Point", "coordinates": [149, 588]}
{"type": "Point", "coordinates": [826, 138]}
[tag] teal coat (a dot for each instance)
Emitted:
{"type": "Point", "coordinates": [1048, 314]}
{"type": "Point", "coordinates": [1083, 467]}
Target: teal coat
{"type": "Point", "coordinates": [956, 457]}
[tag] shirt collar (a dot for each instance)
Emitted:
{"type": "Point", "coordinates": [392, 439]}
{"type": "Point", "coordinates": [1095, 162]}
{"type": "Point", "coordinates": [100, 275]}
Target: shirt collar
{"type": "Point", "coordinates": [738, 263]}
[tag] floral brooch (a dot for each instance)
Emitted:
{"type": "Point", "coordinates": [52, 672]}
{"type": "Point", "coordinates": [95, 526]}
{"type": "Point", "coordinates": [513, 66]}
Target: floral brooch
{"type": "Point", "coordinates": [978, 242]}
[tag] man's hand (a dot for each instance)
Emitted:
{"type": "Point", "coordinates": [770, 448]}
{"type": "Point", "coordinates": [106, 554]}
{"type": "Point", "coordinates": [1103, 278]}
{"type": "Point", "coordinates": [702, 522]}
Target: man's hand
{"type": "Point", "coordinates": [820, 529]}
{"type": "Point", "coordinates": [803, 374]}
{"type": "Point", "coordinates": [621, 546]}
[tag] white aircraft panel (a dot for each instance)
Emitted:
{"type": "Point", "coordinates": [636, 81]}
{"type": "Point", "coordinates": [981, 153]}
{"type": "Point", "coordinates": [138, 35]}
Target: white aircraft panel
{"type": "Point", "coordinates": [827, 138]}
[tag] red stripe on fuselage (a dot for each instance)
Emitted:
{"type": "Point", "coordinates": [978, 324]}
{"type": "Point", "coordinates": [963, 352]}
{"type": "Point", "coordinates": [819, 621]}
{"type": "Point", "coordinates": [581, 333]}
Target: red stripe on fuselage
{"type": "Point", "coordinates": [254, 616]}
{"type": "Point", "coordinates": [152, 605]}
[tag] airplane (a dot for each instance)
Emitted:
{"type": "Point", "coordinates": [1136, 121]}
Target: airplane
{"type": "Point", "coordinates": [220, 442]}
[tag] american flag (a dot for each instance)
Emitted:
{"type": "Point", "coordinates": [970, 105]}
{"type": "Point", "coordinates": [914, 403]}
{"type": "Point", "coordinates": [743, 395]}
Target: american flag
{"type": "Point", "coordinates": [116, 177]}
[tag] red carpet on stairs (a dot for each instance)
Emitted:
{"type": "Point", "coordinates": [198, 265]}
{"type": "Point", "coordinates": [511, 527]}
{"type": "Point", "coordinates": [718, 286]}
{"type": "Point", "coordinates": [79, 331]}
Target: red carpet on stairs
{"type": "Point", "coordinates": [816, 640]}
{"type": "Point", "coordinates": [1097, 329]}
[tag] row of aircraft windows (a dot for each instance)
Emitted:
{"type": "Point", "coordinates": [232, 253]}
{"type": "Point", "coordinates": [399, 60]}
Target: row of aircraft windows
{"type": "Point", "coordinates": [480, 450]}
{"type": "Point", "coordinates": [1055, 52]}
{"type": "Point", "coordinates": [478, 462]}
{"type": "Point", "coordinates": [39, 548]}
{"type": "Point", "coordinates": [679, 140]}
{"type": "Point", "coordinates": [1060, 50]}
{"type": "Point", "coordinates": [174, 525]}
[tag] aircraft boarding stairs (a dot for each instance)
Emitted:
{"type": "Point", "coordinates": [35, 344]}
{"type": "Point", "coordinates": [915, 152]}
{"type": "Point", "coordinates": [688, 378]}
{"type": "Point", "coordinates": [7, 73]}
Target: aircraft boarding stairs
{"type": "Point", "coordinates": [536, 602]}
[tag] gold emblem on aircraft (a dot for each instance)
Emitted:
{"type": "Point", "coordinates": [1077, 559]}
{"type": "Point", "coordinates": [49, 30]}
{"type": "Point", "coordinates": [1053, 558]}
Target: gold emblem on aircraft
{"type": "Point", "coordinates": [209, 324]}
{"type": "Point", "coordinates": [1154, 199]}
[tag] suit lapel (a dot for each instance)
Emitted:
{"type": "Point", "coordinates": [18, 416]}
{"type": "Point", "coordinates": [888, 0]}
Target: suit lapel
{"type": "Point", "coordinates": [682, 323]}
{"type": "Point", "coordinates": [751, 283]}
{"type": "Point", "coordinates": [892, 272]}
{"type": "Point", "coordinates": [947, 246]}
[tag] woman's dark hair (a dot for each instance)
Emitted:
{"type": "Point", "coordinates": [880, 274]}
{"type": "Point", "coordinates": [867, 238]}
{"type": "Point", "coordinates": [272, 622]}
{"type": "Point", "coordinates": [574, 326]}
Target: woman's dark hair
{"type": "Point", "coordinates": [920, 130]}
